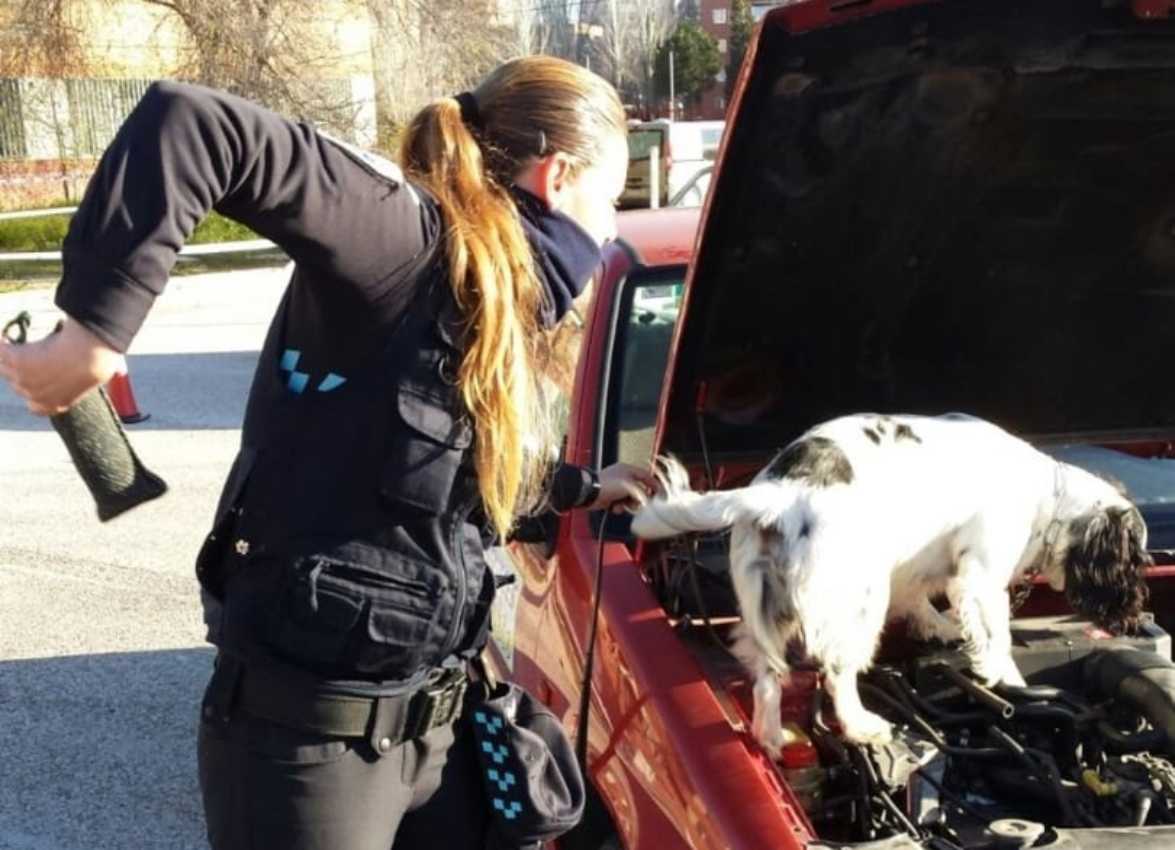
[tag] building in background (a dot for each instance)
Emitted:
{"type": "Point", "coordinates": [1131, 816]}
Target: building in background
{"type": "Point", "coordinates": [714, 18]}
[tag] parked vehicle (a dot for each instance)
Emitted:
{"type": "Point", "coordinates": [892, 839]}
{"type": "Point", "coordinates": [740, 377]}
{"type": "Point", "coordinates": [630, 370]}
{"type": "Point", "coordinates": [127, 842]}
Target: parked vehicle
{"type": "Point", "coordinates": [921, 207]}
{"type": "Point", "coordinates": [693, 193]}
{"type": "Point", "coordinates": [684, 148]}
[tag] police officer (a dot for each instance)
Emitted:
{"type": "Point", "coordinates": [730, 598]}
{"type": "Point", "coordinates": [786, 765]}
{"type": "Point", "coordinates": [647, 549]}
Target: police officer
{"type": "Point", "coordinates": [398, 422]}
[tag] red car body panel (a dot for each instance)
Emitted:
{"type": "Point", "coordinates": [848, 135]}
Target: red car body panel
{"type": "Point", "coordinates": [673, 762]}
{"type": "Point", "coordinates": [672, 768]}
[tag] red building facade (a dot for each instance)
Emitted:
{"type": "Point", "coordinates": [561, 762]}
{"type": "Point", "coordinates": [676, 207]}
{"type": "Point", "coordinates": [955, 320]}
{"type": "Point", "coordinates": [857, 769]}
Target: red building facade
{"type": "Point", "coordinates": [715, 19]}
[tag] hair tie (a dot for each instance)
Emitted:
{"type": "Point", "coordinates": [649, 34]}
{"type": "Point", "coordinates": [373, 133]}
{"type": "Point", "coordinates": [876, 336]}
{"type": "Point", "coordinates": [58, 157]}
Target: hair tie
{"type": "Point", "coordinates": [470, 114]}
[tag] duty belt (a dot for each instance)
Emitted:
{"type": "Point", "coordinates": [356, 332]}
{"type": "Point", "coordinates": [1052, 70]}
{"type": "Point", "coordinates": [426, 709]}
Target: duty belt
{"type": "Point", "coordinates": [291, 701]}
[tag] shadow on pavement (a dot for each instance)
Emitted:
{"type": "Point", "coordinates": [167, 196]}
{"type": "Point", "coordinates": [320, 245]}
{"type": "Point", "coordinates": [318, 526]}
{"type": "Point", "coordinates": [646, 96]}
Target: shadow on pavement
{"type": "Point", "coordinates": [99, 751]}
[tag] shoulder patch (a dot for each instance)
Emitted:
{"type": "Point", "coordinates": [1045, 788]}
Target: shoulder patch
{"type": "Point", "coordinates": [374, 163]}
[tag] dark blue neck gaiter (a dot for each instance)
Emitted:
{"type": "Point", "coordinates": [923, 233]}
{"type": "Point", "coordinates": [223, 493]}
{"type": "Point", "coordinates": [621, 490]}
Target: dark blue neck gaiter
{"type": "Point", "coordinates": [565, 254]}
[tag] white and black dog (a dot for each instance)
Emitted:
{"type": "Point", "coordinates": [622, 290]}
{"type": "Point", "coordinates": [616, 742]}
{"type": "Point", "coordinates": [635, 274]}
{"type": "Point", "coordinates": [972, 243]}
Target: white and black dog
{"type": "Point", "coordinates": [867, 518]}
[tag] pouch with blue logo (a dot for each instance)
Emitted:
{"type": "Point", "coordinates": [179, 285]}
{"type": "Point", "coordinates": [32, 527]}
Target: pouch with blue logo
{"type": "Point", "coordinates": [533, 782]}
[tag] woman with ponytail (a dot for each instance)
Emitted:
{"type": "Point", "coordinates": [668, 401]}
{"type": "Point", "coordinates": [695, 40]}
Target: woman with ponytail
{"type": "Point", "coordinates": [399, 422]}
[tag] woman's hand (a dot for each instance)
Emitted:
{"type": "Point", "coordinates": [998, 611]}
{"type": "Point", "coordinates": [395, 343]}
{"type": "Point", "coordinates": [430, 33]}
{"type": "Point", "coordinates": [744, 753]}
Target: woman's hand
{"type": "Point", "coordinates": [52, 374]}
{"type": "Point", "coordinates": [624, 485]}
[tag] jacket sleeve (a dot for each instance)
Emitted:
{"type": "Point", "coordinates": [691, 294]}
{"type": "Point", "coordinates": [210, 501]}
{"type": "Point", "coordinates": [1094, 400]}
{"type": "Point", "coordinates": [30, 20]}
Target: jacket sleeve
{"type": "Point", "coordinates": [186, 150]}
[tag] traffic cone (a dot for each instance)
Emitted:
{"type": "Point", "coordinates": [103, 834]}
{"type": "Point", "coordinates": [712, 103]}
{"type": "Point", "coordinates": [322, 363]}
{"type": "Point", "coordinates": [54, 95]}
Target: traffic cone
{"type": "Point", "coordinates": [123, 399]}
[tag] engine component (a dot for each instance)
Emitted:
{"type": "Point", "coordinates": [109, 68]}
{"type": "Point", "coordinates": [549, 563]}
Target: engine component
{"type": "Point", "coordinates": [1144, 679]}
{"type": "Point", "coordinates": [1014, 833]}
{"type": "Point", "coordinates": [1049, 650]}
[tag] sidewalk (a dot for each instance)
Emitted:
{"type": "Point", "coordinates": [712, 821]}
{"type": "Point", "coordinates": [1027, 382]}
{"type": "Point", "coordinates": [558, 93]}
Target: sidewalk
{"type": "Point", "coordinates": [102, 658]}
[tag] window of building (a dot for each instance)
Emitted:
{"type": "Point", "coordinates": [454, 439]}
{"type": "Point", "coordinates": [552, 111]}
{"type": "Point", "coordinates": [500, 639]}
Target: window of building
{"type": "Point", "coordinates": [722, 45]}
{"type": "Point", "coordinates": [719, 16]}
{"type": "Point", "coordinates": [721, 75]}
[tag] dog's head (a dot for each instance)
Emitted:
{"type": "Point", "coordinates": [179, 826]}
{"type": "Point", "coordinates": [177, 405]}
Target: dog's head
{"type": "Point", "coordinates": [1105, 561]}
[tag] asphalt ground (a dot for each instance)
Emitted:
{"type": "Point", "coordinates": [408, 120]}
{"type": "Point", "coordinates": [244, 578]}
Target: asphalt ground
{"type": "Point", "coordinates": [102, 656]}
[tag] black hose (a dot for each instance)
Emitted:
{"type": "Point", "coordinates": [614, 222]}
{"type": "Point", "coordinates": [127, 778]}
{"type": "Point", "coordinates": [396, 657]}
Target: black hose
{"type": "Point", "coordinates": [928, 730]}
{"type": "Point", "coordinates": [863, 794]}
{"type": "Point", "coordinates": [1039, 693]}
{"type": "Point", "coordinates": [1026, 757]}
{"type": "Point", "coordinates": [903, 690]}
{"type": "Point", "coordinates": [877, 794]}
{"type": "Point", "coordinates": [1118, 742]}
{"type": "Point", "coordinates": [824, 735]}
{"type": "Point", "coordinates": [984, 696]}
{"type": "Point", "coordinates": [1144, 679]}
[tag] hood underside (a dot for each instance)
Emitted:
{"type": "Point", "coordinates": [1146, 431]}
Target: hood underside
{"type": "Point", "coordinates": [964, 205]}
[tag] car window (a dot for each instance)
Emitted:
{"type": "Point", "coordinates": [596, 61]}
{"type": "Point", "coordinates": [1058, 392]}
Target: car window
{"type": "Point", "coordinates": [1145, 473]}
{"type": "Point", "coordinates": [648, 315]}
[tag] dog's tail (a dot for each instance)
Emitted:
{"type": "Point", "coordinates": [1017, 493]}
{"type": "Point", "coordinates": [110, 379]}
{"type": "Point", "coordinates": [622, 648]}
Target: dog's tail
{"type": "Point", "coordinates": [679, 510]}
{"type": "Point", "coordinates": [765, 602]}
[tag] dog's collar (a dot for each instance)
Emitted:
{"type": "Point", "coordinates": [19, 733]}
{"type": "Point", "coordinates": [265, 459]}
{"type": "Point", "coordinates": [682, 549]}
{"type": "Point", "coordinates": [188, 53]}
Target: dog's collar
{"type": "Point", "coordinates": [1052, 533]}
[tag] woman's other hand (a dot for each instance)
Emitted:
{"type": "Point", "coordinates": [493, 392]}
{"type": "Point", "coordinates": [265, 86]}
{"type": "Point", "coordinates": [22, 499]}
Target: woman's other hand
{"type": "Point", "coordinates": [52, 374]}
{"type": "Point", "coordinates": [624, 485]}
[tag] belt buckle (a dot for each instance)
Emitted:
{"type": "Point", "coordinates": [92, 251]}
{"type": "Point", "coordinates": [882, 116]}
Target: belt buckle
{"type": "Point", "coordinates": [439, 702]}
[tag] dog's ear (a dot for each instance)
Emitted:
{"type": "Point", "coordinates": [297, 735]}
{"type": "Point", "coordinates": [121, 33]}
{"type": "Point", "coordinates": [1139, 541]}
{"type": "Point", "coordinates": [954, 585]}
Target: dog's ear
{"type": "Point", "coordinates": [1105, 567]}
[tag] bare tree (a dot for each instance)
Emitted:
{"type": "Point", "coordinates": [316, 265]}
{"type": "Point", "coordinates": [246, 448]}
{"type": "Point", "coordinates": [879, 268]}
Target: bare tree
{"type": "Point", "coordinates": [425, 49]}
{"type": "Point", "coordinates": [533, 26]}
{"type": "Point", "coordinates": [274, 51]}
{"type": "Point", "coordinates": [633, 32]}
{"type": "Point", "coordinates": [653, 22]}
{"type": "Point", "coordinates": [42, 38]}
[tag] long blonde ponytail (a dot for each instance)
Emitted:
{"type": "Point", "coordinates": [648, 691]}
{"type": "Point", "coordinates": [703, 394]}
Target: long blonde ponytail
{"type": "Point", "coordinates": [529, 107]}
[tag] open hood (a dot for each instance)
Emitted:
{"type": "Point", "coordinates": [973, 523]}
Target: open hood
{"type": "Point", "coordinates": [924, 207]}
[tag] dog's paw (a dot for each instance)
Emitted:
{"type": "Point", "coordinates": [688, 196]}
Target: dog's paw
{"type": "Point", "coordinates": [1013, 677]}
{"type": "Point", "coordinates": [773, 740]}
{"type": "Point", "coordinates": [988, 671]}
{"type": "Point", "coordinates": [868, 729]}
{"type": "Point", "coordinates": [941, 628]}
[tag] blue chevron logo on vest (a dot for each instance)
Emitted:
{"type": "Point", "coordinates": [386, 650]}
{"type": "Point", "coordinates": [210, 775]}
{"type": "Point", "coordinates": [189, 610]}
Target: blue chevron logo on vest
{"type": "Point", "coordinates": [508, 811]}
{"type": "Point", "coordinates": [298, 380]}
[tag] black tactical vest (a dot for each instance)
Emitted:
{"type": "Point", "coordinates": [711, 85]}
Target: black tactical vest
{"type": "Point", "coordinates": [345, 542]}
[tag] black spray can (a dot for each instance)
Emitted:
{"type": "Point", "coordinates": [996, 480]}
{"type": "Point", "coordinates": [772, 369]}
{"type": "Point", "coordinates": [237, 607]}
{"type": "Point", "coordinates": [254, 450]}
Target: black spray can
{"type": "Point", "coordinates": [98, 445]}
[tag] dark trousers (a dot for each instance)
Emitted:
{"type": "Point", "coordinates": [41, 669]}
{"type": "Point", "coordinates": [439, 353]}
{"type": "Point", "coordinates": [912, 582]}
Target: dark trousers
{"type": "Point", "coordinates": [267, 787]}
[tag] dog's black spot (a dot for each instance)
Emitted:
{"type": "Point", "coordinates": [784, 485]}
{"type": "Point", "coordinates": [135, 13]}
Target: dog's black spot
{"type": "Point", "coordinates": [905, 432]}
{"type": "Point", "coordinates": [872, 435]}
{"type": "Point", "coordinates": [881, 425]}
{"type": "Point", "coordinates": [805, 530]}
{"type": "Point", "coordinates": [817, 460]}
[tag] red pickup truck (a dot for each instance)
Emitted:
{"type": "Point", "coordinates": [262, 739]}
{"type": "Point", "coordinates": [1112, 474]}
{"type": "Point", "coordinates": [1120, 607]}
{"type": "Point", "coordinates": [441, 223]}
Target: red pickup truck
{"type": "Point", "coordinates": [919, 207]}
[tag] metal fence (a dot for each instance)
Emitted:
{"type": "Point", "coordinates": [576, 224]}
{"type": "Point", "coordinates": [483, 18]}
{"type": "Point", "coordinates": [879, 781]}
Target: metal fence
{"type": "Point", "coordinates": [52, 119]}
{"type": "Point", "coordinates": [97, 109]}
{"type": "Point", "coordinates": [62, 119]}
{"type": "Point", "coordinates": [12, 140]}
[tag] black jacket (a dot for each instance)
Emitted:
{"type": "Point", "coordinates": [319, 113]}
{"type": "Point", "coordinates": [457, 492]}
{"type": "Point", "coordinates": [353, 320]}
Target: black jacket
{"type": "Point", "coordinates": [347, 538]}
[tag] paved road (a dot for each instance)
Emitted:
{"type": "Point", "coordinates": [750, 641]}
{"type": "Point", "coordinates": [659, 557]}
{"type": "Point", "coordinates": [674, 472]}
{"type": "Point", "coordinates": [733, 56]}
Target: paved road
{"type": "Point", "coordinates": [102, 658]}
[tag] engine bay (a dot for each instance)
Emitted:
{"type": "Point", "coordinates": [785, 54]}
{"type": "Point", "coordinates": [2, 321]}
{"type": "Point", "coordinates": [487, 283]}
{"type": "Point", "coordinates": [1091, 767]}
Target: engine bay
{"type": "Point", "coordinates": [1083, 757]}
